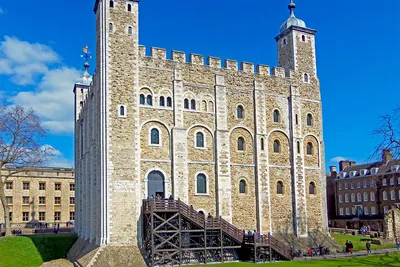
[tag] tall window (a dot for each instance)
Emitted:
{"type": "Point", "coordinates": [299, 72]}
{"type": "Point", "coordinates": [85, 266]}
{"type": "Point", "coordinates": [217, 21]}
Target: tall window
{"type": "Point", "coordinates": [298, 147]}
{"type": "Point", "coordinates": [373, 210]}
{"type": "Point", "coordinates": [129, 7]}
{"type": "Point", "coordinates": [303, 38]}
{"type": "Point", "coordinates": [277, 146]}
{"type": "Point", "coordinates": [305, 78]}
{"type": "Point", "coordinates": [110, 27]}
{"type": "Point", "coordinates": [346, 198]}
{"type": "Point", "coordinates": [142, 99]}
{"type": "Point", "coordinates": [309, 120]}
{"type": "Point", "coordinates": [372, 196]}
{"type": "Point", "coordinates": [162, 101]}
{"type": "Point", "coordinates": [111, 3]}
{"type": "Point", "coordinates": [193, 104]}
{"type": "Point", "coordinates": [57, 216]}
{"type": "Point", "coordinates": [240, 112]}
{"type": "Point", "coordinates": [240, 143]}
{"type": "Point", "coordinates": [154, 136]}
{"type": "Point", "coordinates": [392, 195]}
{"type": "Point", "coordinates": [279, 188]}
{"type": "Point", "coordinates": [9, 200]}
{"type": "Point", "coordinates": [42, 200]}
{"type": "Point", "coordinates": [312, 188]}
{"type": "Point", "coordinates": [353, 197]}
{"type": "Point", "coordinates": [365, 196]}
{"type": "Point", "coordinates": [149, 100]}
{"type": "Point", "coordinates": [262, 143]}
{"type": "Point", "coordinates": [276, 116]}
{"type": "Point", "coordinates": [130, 30]}
{"type": "Point", "coordinates": [186, 103]}
{"type": "Point", "coordinates": [199, 139]}
{"type": "Point", "coordinates": [384, 182]}
{"type": "Point", "coordinates": [385, 196]}
{"type": "Point", "coordinates": [309, 148]}
{"type": "Point", "coordinates": [340, 198]}
{"type": "Point", "coordinates": [42, 216]}
{"type": "Point", "coordinates": [201, 184]}
{"type": "Point", "coordinates": [122, 111]}
{"type": "Point", "coordinates": [71, 187]}
{"type": "Point", "coordinates": [25, 216]}
{"type": "Point", "coordinates": [359, 197]}
{"type": "Point", "coordinates": [9, 185]}
{"type": "Point", "coordinates": [72, 216]}
{"type": "Point", "coordinates": [57, 186]}
{"type": "Point", "coordinates": [366, 212]}
{"type": "Point", "coordinates": [169, 102]}
{"type": "Point", "coordinates": [242, 187]}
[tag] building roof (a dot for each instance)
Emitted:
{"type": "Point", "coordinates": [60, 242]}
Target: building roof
{"type": "Point", "coordinates": [392, 166]}
{"type": "Point", "coordinates": [292, 20]}
{"type": "Point", "coordinates": [85, 79]}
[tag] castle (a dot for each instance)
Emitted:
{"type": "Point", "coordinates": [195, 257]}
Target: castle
{"type": "Point", "coordinates": [230, 140]}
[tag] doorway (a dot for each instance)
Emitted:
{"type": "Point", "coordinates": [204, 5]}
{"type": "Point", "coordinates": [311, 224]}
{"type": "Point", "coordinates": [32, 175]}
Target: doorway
{"type": "Point", "coordinates": [155, 185]}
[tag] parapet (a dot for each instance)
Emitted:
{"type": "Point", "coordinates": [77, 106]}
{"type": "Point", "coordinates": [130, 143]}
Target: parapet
{"type": "Point", "coordinates": [212, 62]}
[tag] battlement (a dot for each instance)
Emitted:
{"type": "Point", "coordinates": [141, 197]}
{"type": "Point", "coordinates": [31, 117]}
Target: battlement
{"type": "Point", "coordinates": [212, 62]}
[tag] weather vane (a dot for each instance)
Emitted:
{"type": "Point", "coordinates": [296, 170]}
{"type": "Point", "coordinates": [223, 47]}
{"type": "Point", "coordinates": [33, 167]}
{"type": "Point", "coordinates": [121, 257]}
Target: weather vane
{"type": "Point", "coordinates": [87, 52]}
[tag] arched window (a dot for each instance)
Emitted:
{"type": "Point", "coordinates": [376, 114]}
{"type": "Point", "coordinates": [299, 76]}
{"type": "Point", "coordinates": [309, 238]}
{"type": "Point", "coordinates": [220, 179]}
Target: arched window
{"type": "Point", "coordinates": [392, 195]}
{"type": "Point", "coordinates": [346, 198]}
{"type": "Point", "coordinates": [204, 105]}
{"type": "Point", "coordinates": [142, 99]}
{"type": "Point", "coordinates": [242, 187]}
{"type": "Point", "coordinates": [129, 7]}
{"type": "Point", "coordinates": [193, 104]}
{"type": "Point", "coordinates": [130, 30]}
{"type": "Point", "coordinates": [240, 143]}
{"type": "Point", "coordinates": [305, 78]}
{"type": "Point", "coordinates": [353, 197]}
{"type": "Point", "coordinates": [309, 120]}
{"type": "Point", "coordinates": [186, 103]}
{"type": "Point", "coordinates": [110, 27]}
{"type": "Point", "coordinates": [240, 112]}
{"type": "Point", "coordinates": [262, 143]}
{"type": "Point", "coordinates": [199, 139]}
{"type": "Point", "coordinates": [210, 106]}
{"type": "Point", "coordinates": [359, 197]}
{"type": "Point", "coordinates": [201, 184]}
{"type": "Point", "coordinates": [340, 198]}
{"type": "Point", "coordinates": [162, 101]}
{"type": "Point", "coordinates": [303, 38]}
{"type": "Point", "coordinates": [111, 3]}
{"type": "Point", "coordinates": [309, 148]}
{"type": "Point", "coordinates": [277, 146]}
{"type": "Point", "coordinates": [365, 196]}
{"type": "Point", "coordinates": [372, 196]}
{"type": "Point", "coordinates": [284, 41]}
{"type": "Point", "coordinates": [385, 196]}
{"type": "Point", "coordinates": [276, 116]}
{"type": "Point", "coordinates": [155, 136]}
{"type": "Point", "coordinates": [122, 111]}
{"type": "Point", "coordinates": [149, 100]}
{"type": "Point", "coordinates": [279, 188]}
{"type": "Point", "coordinates": [312, 188]}
{"type": "Point", "coordinates": [169, 102]}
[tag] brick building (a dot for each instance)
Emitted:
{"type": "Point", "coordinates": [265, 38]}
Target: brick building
{"type": "Point", "coordinates": [232, 141]}
{"type": "Point", "coordinates": [363, 194]}
{"type": "Point", "coordinates": [40, 194]}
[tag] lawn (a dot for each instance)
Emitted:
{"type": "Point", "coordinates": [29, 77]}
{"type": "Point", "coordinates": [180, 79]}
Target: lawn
{"type": "Point", "coordinates": [30, 251]}
{"type": "Point", "coordinates": [390, 260]}
{"type": "Point", "coordinates": [358, 244]}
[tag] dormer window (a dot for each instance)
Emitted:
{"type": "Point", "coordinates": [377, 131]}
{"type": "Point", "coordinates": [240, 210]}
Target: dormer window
{"type": "Point", "coordinates": [343, 174]}
{"type": "Point", "coordinates": [363, 172]}
{"type": "Point", "coordinates": [353, 173]}
{"type": "Point", "coordinates": [374, 171]}
{"type": "Point", "coordinates": [395, 168]}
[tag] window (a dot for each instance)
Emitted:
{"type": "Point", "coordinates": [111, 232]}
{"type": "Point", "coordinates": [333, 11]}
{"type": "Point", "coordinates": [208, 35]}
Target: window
{"type": "Point", "coordinates": [309, 148]}
{"type": "Point", "coordinates": [372, 196]}
{"type": "Point", "coordinates": [129, 7]}
{"type": "Point", "coordinates": [57, 186]}
{"type": "Point", "coordinates": [353, 197]}
{"type": "Point", "coordinates": [25, 186]}
{"type": "Point", "coordinates": [340, 186]}
{"type": "Point", "coordinates": [284, 41]}
{"type": "Point", "coordinates": [373, 210]}
{"type": "Point", "coordinates": [240, 112]}
{"type": "Point", "coordinates": [347, 211]}
{"type": "Point", "coordinates": [57, 216]}
{"type": "Point", "coordinates": [365, 183]}
{"type": "Point", "coordinates": [186, 103]}
{"type": "Point", "coordinates": [340, 198]}
{"type": "Point", "coordinates": [279, 188]}
{"type": "Point", "coordinates": [399, 194]}
{"type": "Point", "coordinates": [311, 188]}
{"type": "Point", "coordinates": [142, 99]}
{"type": "Point", "coordinates": [25, 216]}
{"type": "Point", "coordinates": [154, 136]}
{"type": "Point", "coordinates": [57, 200]}
{"type": "Point", "coordinates": [392, 195]}
{"type": "Point", "coordinates": [201, 184]}
{"type": "Point", "coordinates": [10, 215]}
{"type": "Point", "coordinates": [365, 196]}
{"type": "Point", "coordinates": [199, 139]}
{"type": "Point", "coordinates": [262, 143]}
{"type": "Point", "coordinates": [391, 181]}
{"type": "Point", "coordinates": [298, 147]}
{"type": "Point", "coordinates": [240, 144]}
{"type": "Point", "coordinates": [204, 105]}
{"type": "Point", "coordinates": [111, 3]}
{"type": "Point", "coordinates": [385, 209]}
{"type": "Point", "coordinates": [72, 201]}
{"type": "Point", "coordinates": [297, 119]}
{"type": "Point", "coordinates": [149, 100]}
{"type": "Point", "coordinates": [358, 184]}
{"type": "Point", "coordinates": [169, 102]}
{"type": "Point", "coordinates": [385, 197]}
{"type": "Point", "coordinates": [352, 185]}
{"type": "Point", "coordinates": [309, 120]}
{"type": "Point", "coordinates": [25, 200]}
{"type": "Point", "coordinates": [42, 216]}
{"type": "Point", "coordinates": [353, 210]}
{"type": "Point", "coordinates": [341, 211]}
{"type": "Point", "coordinates": [162, 101]}
{"type": "Point", "coordinates": [42, 200]}
{"type": "Point", "coordinates": [71, 187]}
{"type": "Point", "coordinates": [305, 78]}
{"type": "Point", "coordinates": [276, 116]}
{"type": "Point", "coordinates": [193, 104]}
{"type": "Point", "coordinates": [9, 185]}
{"type": "Point", "coordinates": [242, 187]}
{"type": "Point", "coordinates": [398, 180]}
{"type": "Point", "coordinates": [42, 186]}
{"type": "Point", "coordinates": [130, 30]}
{"type": "Point", "coordinates": [346, 186]}
{"type": "Point", "coordinates": [359, 197]}
{"type": "Point", "coordinates": [122, 111]}
{"type": "Point", "coordinates": [371, 183]}
{"type": "Point", "coordinates": [9, 200]}
{"type": "Point", "coordinates": [366, 212]}
{"type": "Point", "coordinates": [303, 38]}
{"type": "Point", "coordinates": [277, 146]}
{"type": "Point", "coordinates": [384, 182]}
{"type": "Point", "coordinates": [346, 198]}
{"type": "Point", "coordinates": [72, 216]}
{"type": "Point", "coordinates": [110, 27]}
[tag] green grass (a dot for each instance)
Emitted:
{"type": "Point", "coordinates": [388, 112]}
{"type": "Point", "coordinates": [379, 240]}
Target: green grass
{"type": "Point", "coordinates": [357, 243]}
{"type": "Point", "coordinates": [30, 251]}
{"type": "Point", "coordinates": [391, 260]}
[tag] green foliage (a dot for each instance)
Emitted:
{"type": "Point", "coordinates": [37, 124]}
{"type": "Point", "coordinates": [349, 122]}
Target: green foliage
{"type": "Point", "coordinates": [358, 242]}
{"type": "Point", "coordinates": [30, 251]}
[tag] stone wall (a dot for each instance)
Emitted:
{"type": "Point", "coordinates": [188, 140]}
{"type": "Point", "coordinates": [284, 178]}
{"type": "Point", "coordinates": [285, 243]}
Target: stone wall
{"type": "Point", "coordinates": [391, 224]}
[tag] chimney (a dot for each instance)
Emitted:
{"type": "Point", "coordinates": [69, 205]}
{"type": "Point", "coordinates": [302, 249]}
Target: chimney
{"type": "Point", "coordinates": [352, 163]}
{"type": "Point", "coordinates": [343, 164]}
{"type": "Point", "coordinates": [332, 169]}
{"type": "Point", "coordinates": [386, 156]}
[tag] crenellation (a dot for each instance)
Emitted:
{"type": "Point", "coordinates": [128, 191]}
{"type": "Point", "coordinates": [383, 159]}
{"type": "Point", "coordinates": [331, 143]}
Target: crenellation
{"type": "Point", "coordinates": [159, 53]}
{"type": "Point", "coordinates": [178, 56]}
{"type": "Point", "coordinates": [214, 62]}
{"type": "Point", "coordinates": [231, 64]}
{"type": "Point", "coordinates": [142, 51]}
{"type": "Point", "coordinates": [263, 70]}
{"type": "Point", "coordinates": [196, 59]}
{"type": "Point", "coordinates": [278, 72]}
{"type": "Point", "coordinates": [247, 67]}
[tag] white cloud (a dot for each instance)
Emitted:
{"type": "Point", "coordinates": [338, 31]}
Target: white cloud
{"type": "Point", "coordinates": [338, 159]}
{"type": "Point", "coordinates": [58, 159]}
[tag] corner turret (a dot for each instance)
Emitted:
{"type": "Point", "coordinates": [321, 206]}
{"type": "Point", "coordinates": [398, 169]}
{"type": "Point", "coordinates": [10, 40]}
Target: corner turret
{"type": "Point", "coordinates": [82, 85]}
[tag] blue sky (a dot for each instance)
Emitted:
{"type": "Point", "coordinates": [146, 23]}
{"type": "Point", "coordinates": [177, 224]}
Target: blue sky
{"type": "Point", "coordinates": [357, 41]}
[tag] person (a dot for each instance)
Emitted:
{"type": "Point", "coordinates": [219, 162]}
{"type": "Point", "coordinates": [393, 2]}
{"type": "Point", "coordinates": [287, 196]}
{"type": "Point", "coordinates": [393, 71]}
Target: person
{"type": "Point", "coordinates": [249, 233]}
{"type": "Point", "coordinates": [351, 247]}
{"type": "Point", "coordinates": [347, 246]}
{"type": "Point", "coordinates": [158, 196]}
{"type": "Point", "coordinates": [309, 252]}
{"type": "Point", "coordinates": [368, 245]}
{"type": "Point", "coordinates": [209, 216]}
{"type": "Point", "coordinates": [398, 244]}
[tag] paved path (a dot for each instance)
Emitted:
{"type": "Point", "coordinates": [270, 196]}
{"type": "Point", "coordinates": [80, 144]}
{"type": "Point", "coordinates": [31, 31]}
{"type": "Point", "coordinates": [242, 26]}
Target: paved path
{"type": "Point", "coordinates": [355, 254]}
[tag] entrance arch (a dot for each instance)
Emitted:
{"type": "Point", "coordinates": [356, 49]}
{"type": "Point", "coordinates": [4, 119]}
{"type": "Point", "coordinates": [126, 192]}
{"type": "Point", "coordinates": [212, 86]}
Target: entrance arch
{"type": "Point", "coordinates": [155, 184]}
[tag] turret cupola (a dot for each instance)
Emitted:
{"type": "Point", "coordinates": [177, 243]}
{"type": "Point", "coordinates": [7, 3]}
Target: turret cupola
{"type": "Point", "coordinates": [292, 20]}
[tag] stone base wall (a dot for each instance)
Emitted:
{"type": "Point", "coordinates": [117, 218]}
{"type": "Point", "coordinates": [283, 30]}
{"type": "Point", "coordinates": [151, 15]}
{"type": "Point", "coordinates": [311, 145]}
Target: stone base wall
{"type": "Point", "coordinates": [391, 224]}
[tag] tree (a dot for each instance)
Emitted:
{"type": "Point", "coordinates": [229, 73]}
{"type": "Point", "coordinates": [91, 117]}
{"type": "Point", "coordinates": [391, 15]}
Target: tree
{"type": "Point", "coordinates": [20, 137]}
{"type": "Point", "coordinates": [389, 131]}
